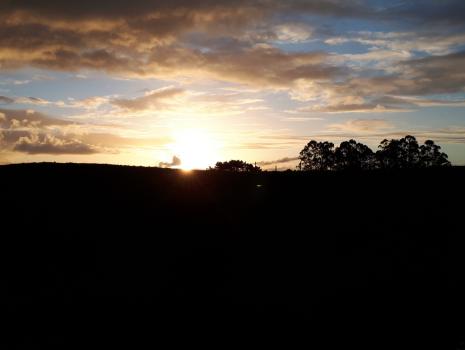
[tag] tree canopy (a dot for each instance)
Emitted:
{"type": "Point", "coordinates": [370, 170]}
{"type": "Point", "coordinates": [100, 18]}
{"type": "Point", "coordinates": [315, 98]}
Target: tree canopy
{"type": "Point", "coordinates": [391, 154]}
{"type": "Point", "coordinates": [237, 166]}
{"type": "Point", "coordinates": [317, 156]}
{"type": "Point", "coordinates": [353, 155]}
{"type": "Point", "coordinates": [431, 155]}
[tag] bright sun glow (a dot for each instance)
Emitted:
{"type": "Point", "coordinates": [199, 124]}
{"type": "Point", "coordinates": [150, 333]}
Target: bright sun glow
{"type": "Point", "coordinates": [196, 148]}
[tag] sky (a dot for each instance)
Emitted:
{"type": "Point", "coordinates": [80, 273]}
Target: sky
{"type": "Point", "coordinates": [185, 84]}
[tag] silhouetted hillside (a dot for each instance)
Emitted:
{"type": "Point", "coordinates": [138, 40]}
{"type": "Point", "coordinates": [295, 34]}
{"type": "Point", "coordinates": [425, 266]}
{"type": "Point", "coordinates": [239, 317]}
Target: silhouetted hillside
{"type": "Point", "coordinates": [110, 255]}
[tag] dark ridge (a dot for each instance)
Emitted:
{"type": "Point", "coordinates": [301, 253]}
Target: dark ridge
{"type": "Point", "coordinates": [107, 256]}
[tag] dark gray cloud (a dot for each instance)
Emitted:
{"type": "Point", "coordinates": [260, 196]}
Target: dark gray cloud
{"type": "Point", "coordinates": [261, 65]}
{"type": "Point", "coordinates": [232, 41]}
{"type": "Point", "coordinates": [49, 144]}
{"type": "Point", "coordinates": [43, 141]}
{"type": "Point", "coordinates": [438, 74]}
{"type": "Point", "coordinates": [232, 10]}
{"type": "Point", "coordinates": [155, 99]}
{"type": "Point", "coordinates": [176, 161]}
{"type": "Point", "coordinates": [118, 36]}
{"type": "Point", "coordinates": [6, 100]}
{"type": "Point", "coordinates": [29, 118]}
{"type": "Point", "coordinates": [356, 108]}
{"type": "Point", "coordinates": [105, 9]}
{"type": "Point", "coordinates": [36, 133]}
{"type": "Point", "coordinates": [445, 71]}
{"type": "Point", "coordinates": [445, 135]}
{"type": "Point", "coordinates": [278, 161]}
{"type": "Point", "coordinates": [427, 12]}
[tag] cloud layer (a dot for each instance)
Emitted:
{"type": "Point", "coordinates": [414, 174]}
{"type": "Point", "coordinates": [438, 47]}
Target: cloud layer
{"type": "Point", "coordinates": [356, 61]}
{"type": "Point", "coordinates": [236, 41]}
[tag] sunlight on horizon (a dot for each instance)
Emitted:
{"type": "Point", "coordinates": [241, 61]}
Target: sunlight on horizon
{"type": "Point", "coordinates": [196, 148]}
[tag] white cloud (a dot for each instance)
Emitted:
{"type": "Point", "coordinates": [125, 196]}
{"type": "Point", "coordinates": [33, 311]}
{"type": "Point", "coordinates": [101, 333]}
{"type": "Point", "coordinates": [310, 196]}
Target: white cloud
{"type": "Point", "coordinates": [293, 32]}
{"type": "Point", "coordinates": [362, 125]}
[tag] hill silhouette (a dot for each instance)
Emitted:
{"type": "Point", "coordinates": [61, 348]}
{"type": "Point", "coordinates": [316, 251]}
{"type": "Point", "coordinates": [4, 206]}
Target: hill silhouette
{"type": "Point", "coordinates": [112, 255]}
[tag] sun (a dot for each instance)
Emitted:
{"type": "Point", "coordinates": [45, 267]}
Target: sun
{"type": "Point", "coordinates": [196, 148]}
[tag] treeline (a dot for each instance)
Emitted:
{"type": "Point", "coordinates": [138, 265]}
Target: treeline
{"type": "Point", "coordinates": [391, 154]}
{"type": "Point", "coordinates": [237, 166]}
{"type": "Point", "coordinates": [404, 153]}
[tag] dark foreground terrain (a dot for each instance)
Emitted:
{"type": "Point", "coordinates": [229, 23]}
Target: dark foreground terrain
{"type": "Point", "coordinates": [96, 256]}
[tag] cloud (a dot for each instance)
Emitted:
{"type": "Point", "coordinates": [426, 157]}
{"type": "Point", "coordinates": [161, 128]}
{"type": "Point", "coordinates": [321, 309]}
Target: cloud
{"type": "Point", "coordinates": [436, 74]}
{"type": "Point", "coordinates": [87, 103]}
{"type": "Point", "coordinates": [6, 100]}
{"type": "Point", "coordinates": [175, 162]}
{"type": "Point", "coordinates": [445, 135]}
{"type": "Point", "coordinates": [15, 82]}
{"type": "Point", "coordinates": [233, 41]}
{"type": "Point", "coordinates": [118, 37]}
{"type": "Point", "coordinates": [429, 102]}
{"type": "Point", "coordinates": [335, 103]}
{"type": "Point", "coordinates": [36, 133]}
{"type": "Point", "coordinates": [278, 161]}
{"type": "Point", "coordinates": [151, 39]}
{"type": "Point", "coordinates": [152, 100]}
{"type": "Point", "coordinates": [157, 13]}
{"type": "Point", "coordinates": [384, 57]}
{"type": "Point", "coordinates": [271, 140]}
{"type": "Point", "coordinates": [362, 125]}
{"type": "Point", "coordinates": [30, 118]}
{"type": "Point", "coordinates": [451, 135]}
{"type": "Point", "coordinates": [372, 131]}
{"type": "Point", "coordinates": [293, 32]}
{"type": "Point", "coordinates": [112, 141]}
{"type": "Point", "coordinates": [32, 100]}
{"type": "Point", "coordinates": [29, 100]}
{"type": "Point", "coordinates": [107, 36]}
{"type": "Point", "coordinates": [416, 77]}
{"type": "Point", "coordinates": [430, 13]}
{"type": "Point", "coordinates": [401, 43]}
{"type": "Point", "coordinates": [354, 108]}
{"type": "Point", "coordinates": [49, 144]}
{"type": "Point", "coordinates": [35, 137]}
{"type": "Point", "coordinates": [408, 87]}
{"type": "Point", "coordinates": [90, 102]}
{"type": "Point", "coordinates": [259, 65]}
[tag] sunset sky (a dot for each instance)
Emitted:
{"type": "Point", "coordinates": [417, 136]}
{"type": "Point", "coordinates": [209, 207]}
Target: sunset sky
{"type": "Point", "coordinates": [140, 82]}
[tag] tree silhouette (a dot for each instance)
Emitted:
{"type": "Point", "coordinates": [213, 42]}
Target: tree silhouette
{"type": "Point", "coordinates": [431, 155]}
{"type": "Point", "coordinates": [352, 155]}
{"type": "Point", "coordinates": [399, 154]}
{"type": "Point", "coordinates": [392, 154]}
{"type": "Point", "coordinates": [237, 166]}
{"type": "Point", "coordinates": [317, 156]}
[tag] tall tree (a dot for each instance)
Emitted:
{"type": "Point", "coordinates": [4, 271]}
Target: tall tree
{"type": "Point", "coordinates": [398, 154]}
{"type": "Point", "coordinates": [352, 155]}
{"type": "Point", "coordinates": [317, 156]}
{"type": "Point", "coordinates": [431, 155]}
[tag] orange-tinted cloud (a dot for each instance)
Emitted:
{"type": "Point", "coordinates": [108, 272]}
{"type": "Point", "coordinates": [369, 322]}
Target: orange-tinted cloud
{"type": "Point", "coordinates": [36, 133]}
{"type": "Point", "coordinates": [235, 41]}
